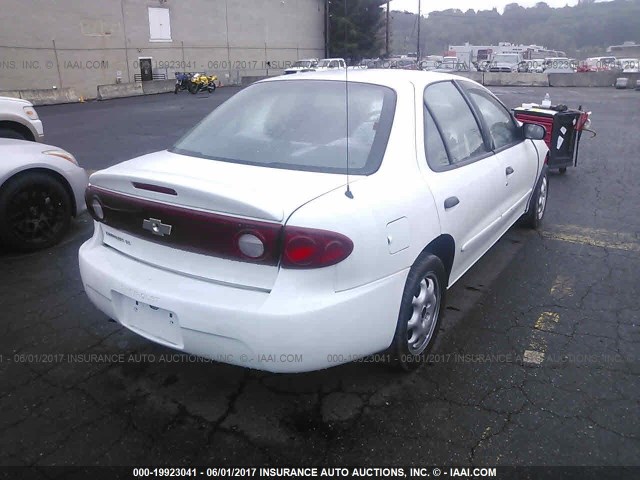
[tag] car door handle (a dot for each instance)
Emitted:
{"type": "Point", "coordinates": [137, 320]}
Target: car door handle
{"type": "Point", "coordinates": [451, 202]}
{"type": "Point", "coordinates": [509, 171]}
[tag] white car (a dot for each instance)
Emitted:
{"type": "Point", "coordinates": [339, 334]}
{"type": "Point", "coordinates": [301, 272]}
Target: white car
{"type": "Point", "coordinates": [261, 243]}
{"type": "Point", "coordinates": [330, 64]}
{"type": "Point", "coordinates": [304, 65]}
{"type": "Point", "coordinates": [18, 119]}
{"type": "Point", "coordinates": [628, 65]}
{"type": "Point", "coordinates": [41, 189]}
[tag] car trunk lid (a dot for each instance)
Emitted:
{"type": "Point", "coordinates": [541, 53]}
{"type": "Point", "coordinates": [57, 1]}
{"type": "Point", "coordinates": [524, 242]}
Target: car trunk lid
{"type": "Point", "coordinates": [184, 213]}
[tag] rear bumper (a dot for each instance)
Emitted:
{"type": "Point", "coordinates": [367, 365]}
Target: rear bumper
{"type": "Point", "coordinates": [296, 327]}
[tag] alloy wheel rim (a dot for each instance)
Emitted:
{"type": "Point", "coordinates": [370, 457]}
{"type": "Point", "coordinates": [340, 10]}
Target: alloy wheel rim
{"type": "Point", "coordinates": [35, 214]}
{"type": "Point", "coordinates": [542, 198]}
{"type": "Point", "coordinates": [426, 307]}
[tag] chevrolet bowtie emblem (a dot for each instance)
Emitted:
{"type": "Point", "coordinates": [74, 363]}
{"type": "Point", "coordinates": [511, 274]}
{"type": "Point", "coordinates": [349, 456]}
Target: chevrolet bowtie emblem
{"type": "Point", "coordinates": [156, 227]}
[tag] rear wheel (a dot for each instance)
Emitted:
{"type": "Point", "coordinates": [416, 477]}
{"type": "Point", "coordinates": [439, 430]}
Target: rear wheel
{"type": "Point", "coordinates": [562, 170]}
{"type": "Point", "coordinates": [420, 312]}
{"type": "Point", "coordinates": [35, 211]}
{"type": "Point", "coordinates": [11, 133]}
{"type": "Point", "coordinates": [193, 88]}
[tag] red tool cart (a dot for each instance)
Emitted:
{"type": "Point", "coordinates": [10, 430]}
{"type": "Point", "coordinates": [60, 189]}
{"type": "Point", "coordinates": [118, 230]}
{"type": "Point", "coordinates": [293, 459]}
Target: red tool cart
{"type": "Point", "coordinates": [564, 128]}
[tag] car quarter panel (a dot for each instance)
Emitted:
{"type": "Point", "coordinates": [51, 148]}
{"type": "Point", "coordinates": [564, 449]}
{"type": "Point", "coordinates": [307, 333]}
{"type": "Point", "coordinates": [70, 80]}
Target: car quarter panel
{"type": "Point", "coordinates": [392, 216]}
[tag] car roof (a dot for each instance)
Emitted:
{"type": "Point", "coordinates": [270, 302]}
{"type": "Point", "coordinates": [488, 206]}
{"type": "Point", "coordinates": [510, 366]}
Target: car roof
{"type": "Point", "coordinates": [385, 77]}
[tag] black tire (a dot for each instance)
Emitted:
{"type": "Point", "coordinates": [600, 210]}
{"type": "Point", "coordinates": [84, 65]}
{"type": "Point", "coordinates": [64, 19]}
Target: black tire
{"type": "Point", "coordinates": [176, 89]}
{"type": "Point", "coordinates": [35, 211]}
{"type": "Point", "coordinates": [212, 88]}
{"type": "Point", "coordinates": [409, 355]}
{"type": "Point", "coordinates": [562, 170]}
{"type": "Point", "coordinates": [193, 88]}
{"type": "Point", "coordinates": [535, 214]}
{"type": "Point", "coordinates": [11, 133]}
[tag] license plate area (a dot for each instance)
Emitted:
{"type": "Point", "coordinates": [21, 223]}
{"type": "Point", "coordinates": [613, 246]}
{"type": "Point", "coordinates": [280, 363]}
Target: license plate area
{"type": "Point", "coordinates": [151, 321]}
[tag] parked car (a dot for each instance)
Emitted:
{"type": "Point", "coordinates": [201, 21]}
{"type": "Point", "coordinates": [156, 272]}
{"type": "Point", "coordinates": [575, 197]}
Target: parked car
{"type": "Point", "coordinates": [429, 65]}
{"type": "Point", "coordinates": [256, 240]}
{"type": "Point", "coordinates": [304, 65]}
{"type": "Point", "coordinates": [41, 189]}
{"type": "Point", "coordinates": [452, 67]}
{"type": "Point", "coordinates": [330, 64]}
{"type": "Point", "coordinates": [628, 65]}
{"type": "Point", "coordinates": [19, 120]}
{"type": "Point", "coordinates": [559, 65]}
{"type": "Point", "coordinates": [506, 63]}
{"type": "Point", "coordinates": [404, 64]}
{"type": "Point", "coordinates": [599, 64]}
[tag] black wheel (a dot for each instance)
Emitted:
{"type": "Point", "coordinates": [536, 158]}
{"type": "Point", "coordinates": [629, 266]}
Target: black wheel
{"type": "Point", "coordinates": [11, 133]}
{"type": "Point", "coordinates": [421, 309]}
{"type": "Point", "coordinates": [35, 211]}
{"type": "Point", "coordinates": [562, 170]}
{"type": "Point", "coordinates": [176, 89]}
{"type": "Point", "coordinates": [538, 203]}
{"type": "Point", "coordinates": [193, 88]}
{"type": "Point", "coordinates": [212, 88]}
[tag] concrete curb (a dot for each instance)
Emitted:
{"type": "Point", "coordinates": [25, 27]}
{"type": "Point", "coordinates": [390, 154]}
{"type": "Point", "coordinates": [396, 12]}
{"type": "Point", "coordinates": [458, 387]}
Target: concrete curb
{"type": "Point", "coordinates": [515, 80]}
{"type": "Point", "coordinates": [158, 86]}
{"type": "Point", "coordinates": [49, 96]}
{"type": "Point", "coordinates": [120, 90]}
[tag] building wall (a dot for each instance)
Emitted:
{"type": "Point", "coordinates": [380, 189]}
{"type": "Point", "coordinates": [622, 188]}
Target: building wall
{"type": "Point", "coordinates": [82, 44]}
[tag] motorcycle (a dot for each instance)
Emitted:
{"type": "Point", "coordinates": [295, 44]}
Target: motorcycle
{"type": "Point", "coordinates": [183, 81]}
{"type": "Point", "coordinates": [201, 82]}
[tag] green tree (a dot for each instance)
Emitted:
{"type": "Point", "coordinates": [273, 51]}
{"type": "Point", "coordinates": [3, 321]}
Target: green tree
{"type": "Point", "coordinates": [356, 28]}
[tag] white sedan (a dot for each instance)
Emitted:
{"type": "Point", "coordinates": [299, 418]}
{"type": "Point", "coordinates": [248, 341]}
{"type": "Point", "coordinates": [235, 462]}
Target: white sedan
{"type": "Point", "coordinates": [41, 189]}
{"type": "Point", "coordinates": [18, 119]}
{"type": "Point", "coordinates": [279, 236]}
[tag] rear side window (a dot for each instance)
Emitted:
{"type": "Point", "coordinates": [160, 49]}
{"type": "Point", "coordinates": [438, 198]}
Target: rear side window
{"type": "Point", "coordinates": [460, 131]}
{"type": "Point", "coordinates": [298, 125]}
{"type": "Point", "coordinates": [435, 151]}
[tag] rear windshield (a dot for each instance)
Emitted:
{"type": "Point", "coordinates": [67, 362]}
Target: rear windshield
{"type": "Point", "coordinates": [298, 125]}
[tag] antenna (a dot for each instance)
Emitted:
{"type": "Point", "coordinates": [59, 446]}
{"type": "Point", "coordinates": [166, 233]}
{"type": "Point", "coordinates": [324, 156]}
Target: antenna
{"type": "Point", "coordinates": [348, 193]}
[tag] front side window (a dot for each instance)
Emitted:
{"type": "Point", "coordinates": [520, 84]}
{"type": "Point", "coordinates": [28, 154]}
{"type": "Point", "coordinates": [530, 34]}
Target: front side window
{"type": "Point", "coordinates": [503, 130]}
{"type": "Point", "coordinates": [460, 131]}
{"type": "Point", "coordinates": [298, 125]}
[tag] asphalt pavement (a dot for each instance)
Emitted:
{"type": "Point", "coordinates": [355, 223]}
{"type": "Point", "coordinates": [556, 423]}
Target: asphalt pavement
{"type": "Point", "coordinates": [538, 362]}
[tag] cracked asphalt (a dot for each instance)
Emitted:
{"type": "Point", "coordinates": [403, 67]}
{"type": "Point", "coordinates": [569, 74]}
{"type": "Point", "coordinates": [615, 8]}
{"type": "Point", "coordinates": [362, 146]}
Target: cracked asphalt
{"type": "Point", "coordinates": [537, 364]}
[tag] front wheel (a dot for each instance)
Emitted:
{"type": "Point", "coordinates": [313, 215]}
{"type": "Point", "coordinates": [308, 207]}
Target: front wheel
{"type": "Point", "coordinates": [212, 88]}
{"type": "Point", "coordinates": [538, 203]}
{"type": "Point", "coordinates": [35, 211]}
{"type": "Point", "coordinates": [420, 312]}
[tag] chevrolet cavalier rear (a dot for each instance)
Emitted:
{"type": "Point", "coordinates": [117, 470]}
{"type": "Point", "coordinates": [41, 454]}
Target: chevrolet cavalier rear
{"type": "Point", "coordinates": [285, 232]}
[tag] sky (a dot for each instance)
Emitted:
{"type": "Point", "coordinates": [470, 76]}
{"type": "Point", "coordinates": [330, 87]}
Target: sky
{"type": "Point", "coordinates": [464, 5]}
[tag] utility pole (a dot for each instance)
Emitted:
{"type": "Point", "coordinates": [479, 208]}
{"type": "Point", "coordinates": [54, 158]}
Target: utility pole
{"type": "Point", "coordinates": [387, 37]}
{"type": "Point", "coordinates": [419, 18]}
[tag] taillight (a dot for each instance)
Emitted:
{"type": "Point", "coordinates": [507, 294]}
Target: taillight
{"type": "Point", "coordinates": [224, 236]}
{"type": "Point", "coordinates": [311, 248]}
{"type": "Point", "coordinates": [94, 205]}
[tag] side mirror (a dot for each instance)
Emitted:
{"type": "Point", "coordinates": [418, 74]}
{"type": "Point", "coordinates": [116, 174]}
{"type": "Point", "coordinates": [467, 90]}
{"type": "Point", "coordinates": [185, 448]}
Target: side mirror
{"type": "Point", "coordinates": [534, 131]}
